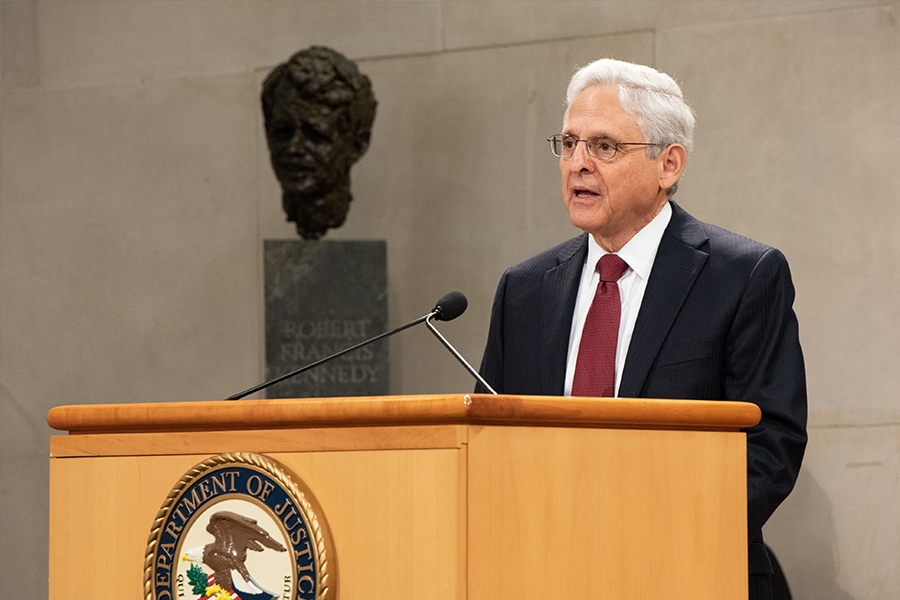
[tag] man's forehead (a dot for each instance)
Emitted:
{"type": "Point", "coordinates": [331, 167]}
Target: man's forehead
{"type": "Point", "coordinates": [295, 108]}
{"type": "Point", "coordinates": [597, 111]}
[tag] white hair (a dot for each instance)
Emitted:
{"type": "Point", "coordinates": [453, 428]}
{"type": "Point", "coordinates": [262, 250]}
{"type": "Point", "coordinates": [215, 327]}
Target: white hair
{"type": "Point", "coordinates": [651, 96]}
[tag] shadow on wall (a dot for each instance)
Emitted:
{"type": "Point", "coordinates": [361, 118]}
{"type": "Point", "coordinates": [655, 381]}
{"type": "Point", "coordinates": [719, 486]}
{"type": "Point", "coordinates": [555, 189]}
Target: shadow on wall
{"type": "Point", "coordinates": [801, 533]}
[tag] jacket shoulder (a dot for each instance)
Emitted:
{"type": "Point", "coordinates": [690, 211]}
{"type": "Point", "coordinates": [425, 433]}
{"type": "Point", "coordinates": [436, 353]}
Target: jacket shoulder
{"type": "Point", "coordinates": [720, 243]}
{"type": "Point", "coordinates": [548, 259]}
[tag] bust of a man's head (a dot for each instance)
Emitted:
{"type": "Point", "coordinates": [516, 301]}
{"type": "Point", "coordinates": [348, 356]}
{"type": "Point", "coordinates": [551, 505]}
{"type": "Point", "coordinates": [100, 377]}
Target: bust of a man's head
{"type": "Point", "coordinates": [318, 111]}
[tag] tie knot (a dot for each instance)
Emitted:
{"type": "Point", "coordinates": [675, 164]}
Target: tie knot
{"type": "Point", "coordinates": [611, 267]}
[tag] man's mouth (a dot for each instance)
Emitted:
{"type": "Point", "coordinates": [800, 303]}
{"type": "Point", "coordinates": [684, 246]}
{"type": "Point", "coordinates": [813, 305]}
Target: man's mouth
{"type": "Point", "coordinates": [584, 193]}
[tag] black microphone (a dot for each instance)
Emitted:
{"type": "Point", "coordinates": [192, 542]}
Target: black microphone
{"type": "Point", "coordinates": [450, 306]}
{"type": "Point", "coordinates": [447, 308]}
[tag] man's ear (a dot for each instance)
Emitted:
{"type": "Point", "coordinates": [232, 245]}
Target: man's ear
{"type": "Point", "coordinates": [672, 162]}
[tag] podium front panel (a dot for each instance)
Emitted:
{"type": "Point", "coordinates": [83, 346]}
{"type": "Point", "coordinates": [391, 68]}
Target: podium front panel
{"type": "Point", "coordinates": [396, 515]}
{"type": "Point", "coordinates": [606, 513]}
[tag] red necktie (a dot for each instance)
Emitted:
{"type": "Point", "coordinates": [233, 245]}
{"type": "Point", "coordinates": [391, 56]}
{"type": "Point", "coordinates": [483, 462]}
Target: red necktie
{"type": "Point", "coordinates": [595, 371]}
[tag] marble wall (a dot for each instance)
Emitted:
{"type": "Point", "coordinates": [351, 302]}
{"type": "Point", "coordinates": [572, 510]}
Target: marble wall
{"type": "Point", "coordinates": [135, 195]}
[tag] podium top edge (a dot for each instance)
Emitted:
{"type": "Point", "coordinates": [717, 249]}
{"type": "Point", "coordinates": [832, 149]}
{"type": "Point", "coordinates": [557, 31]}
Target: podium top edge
{"type": "Point", "coordinates": [437, 409]}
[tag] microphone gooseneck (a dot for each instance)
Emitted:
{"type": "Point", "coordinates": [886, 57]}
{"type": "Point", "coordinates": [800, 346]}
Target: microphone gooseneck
{"type": "Point", "coordinates": [448, 308]}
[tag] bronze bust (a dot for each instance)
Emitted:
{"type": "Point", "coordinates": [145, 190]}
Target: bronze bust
{"type": "Point", "coordinates": [318, 111]}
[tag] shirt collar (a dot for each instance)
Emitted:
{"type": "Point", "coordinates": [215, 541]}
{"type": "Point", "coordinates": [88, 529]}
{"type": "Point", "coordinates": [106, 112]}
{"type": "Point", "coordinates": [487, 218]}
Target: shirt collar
{"type": "Point", "coordinates": [640, 251]}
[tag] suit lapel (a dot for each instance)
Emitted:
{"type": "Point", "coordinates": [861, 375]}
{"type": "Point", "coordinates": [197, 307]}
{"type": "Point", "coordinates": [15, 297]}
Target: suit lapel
{"type": "Point", "coordinates": [678, 263]}
{"type": "Point", "coordinates": [560, 289]}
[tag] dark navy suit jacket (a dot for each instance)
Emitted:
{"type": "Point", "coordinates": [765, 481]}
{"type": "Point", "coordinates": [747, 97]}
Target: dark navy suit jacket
{"type": "Point", "coordinates": [716, 323]}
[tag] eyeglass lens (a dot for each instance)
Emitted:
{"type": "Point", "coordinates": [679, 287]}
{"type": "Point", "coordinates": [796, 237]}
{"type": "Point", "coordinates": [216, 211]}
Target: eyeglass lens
{"type": "Point", "coordinates": [599, 147]}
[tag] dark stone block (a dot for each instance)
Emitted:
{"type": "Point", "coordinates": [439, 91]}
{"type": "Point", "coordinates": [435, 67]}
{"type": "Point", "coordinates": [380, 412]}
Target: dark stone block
{"type": "Point", "coordinates": [323, 297]}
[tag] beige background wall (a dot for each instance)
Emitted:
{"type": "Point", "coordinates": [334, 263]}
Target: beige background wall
{"type": "Point", "coordinates": [135, 194]}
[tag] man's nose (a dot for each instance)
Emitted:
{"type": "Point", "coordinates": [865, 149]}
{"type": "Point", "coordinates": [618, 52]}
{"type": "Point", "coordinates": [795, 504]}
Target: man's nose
{"type": "Point", "coordinates": [297, 143]}
{"type": "Point", "coordinates": [581, 159]}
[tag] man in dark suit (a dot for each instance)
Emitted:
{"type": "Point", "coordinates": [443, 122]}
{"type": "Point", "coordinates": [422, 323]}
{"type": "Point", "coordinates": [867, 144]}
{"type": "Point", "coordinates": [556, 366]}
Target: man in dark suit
{"type": "Point", "coordinates": [705, 313]}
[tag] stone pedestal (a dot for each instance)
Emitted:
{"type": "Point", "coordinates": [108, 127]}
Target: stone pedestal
{"type": "Point", "coordinates": [323, 297]}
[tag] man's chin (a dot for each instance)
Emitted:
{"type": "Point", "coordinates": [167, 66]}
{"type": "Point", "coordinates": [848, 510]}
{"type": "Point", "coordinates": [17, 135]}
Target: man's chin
{"type": "Point", "coordinates": [305, 188]}
{"type": "Point", "coordinates": [586, 219]}
{"type": "Point", "coordinates": [315, 215]}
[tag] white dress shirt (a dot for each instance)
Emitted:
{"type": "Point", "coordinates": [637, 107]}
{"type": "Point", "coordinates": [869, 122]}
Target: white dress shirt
{"type": "Point", "coordinates": [639, 253]}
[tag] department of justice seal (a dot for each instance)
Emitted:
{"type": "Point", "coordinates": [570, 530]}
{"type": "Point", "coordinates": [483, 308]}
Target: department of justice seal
{"type": "Point", "coordinates": [240, 527]}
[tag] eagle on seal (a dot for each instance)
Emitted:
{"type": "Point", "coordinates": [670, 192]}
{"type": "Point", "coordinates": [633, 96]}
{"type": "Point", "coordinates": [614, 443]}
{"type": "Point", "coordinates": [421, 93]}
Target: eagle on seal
{"type": "Point", "coordinates": [235, 534]}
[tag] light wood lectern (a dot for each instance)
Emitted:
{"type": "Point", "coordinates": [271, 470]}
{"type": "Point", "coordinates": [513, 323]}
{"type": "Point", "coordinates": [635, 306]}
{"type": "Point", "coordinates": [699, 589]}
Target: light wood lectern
{"type": "Point", "coordinates": [460, 496]}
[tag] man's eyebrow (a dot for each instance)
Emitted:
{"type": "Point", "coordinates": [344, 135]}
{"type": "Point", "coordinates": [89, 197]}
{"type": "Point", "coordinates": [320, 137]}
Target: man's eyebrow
{"type": "Point", "coordinates": [601, 134]}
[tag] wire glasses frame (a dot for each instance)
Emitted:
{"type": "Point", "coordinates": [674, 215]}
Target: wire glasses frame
{"type": "Point", "coordinates": [600, 147]}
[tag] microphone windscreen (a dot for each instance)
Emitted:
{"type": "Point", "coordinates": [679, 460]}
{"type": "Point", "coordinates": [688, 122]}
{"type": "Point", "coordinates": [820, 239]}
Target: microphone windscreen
{"type": "Point", "coordinates": [450, 306]}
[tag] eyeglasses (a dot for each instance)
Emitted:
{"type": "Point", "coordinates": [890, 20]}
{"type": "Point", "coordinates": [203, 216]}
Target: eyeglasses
{"type": "Point", "coordinates": [600, 147]}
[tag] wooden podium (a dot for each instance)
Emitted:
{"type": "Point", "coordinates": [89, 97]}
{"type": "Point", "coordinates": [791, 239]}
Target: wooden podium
{"type": "Point", "coordinates": [460, 496]}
